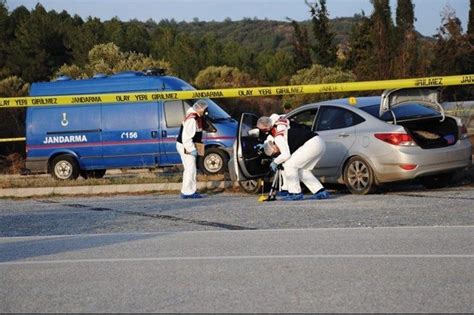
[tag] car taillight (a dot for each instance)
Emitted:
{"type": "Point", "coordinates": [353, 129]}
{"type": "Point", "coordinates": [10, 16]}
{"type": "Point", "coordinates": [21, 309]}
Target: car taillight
{"type": "Point", "coordinates": [463, 132]}
{"type": "Point", "coordinates": [396, 138]}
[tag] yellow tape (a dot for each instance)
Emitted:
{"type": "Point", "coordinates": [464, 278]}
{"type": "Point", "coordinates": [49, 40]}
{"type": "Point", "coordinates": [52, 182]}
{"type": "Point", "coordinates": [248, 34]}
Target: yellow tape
{"type": "Point", "coordinates": [236, 92]}
{"type": "Point", "coordinates": [13, 139]}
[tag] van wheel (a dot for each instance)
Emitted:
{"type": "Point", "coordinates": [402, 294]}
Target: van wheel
{"type": "Point", "coordinates": [93, 174]}
{"type": "Point", "coordinates": [213, 162]}
{"type": "Point", "coordinates": [64, 167]}
{"type": "Point", "coordinates": [252, 186]}
{"type": "Point", "coordinates": [358, 176]}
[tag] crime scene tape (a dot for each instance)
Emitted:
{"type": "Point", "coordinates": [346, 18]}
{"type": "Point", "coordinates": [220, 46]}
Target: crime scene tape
{"type": "Point", "coordinates": [13, 139]}
{"type": "Point", "coordinates": [111, 98]}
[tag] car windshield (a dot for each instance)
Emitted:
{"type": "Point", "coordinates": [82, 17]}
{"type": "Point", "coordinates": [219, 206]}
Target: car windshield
{"type": "Point", "coordinates": [405, 112]}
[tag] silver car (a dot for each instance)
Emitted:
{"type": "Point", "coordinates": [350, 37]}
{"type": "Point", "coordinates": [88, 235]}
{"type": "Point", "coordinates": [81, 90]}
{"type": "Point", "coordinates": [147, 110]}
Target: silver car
{"type": "Point", "coordinates": [402, 135]}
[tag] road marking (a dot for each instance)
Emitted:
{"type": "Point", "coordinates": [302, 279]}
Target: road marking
{"type": "Point", "coordinates": [158, 259]}
{"type": "Point", "coordinates": [328, 229]}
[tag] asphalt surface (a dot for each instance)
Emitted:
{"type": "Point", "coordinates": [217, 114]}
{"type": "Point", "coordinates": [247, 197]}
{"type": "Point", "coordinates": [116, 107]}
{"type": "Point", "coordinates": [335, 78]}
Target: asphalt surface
{"type": "Point", "coordinates": [308, 270]}
{"type": "Point", "coordinates": [408, 250]}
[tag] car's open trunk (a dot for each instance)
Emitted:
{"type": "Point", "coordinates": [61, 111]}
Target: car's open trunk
{"type": "Point", "coordinates": [432, 133]}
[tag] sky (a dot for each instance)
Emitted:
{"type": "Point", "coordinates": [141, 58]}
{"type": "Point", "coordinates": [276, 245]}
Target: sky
{"type": "Point", "coordinates": [427, 12]}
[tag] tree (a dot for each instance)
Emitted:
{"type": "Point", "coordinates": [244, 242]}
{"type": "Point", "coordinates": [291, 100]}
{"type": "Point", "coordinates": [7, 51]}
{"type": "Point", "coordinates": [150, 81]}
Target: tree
{"type": "Point", "coordinates": [382, 39]}
{"type": "Point", "coordinates": [301, 47]}
{"type": "Point", "coordinates": [324, 49]}
{"type": "Point", "coordinates": [317, 74]}
{"type": "Point", "coordinates": [406, 41]}
{"type": "Point", "coordinates": [12, 120]}
{"type": "Point", "coordinates": [4, 40]}
{"type": "Point", "coordinates": [361, 58]}
{"type": "Point", "coordinates": [279, 68]}
{"type": "Point", "coordinates": [223, 77]}
{"type": "Point", "coordinates": [40, 46]}
{"type": "Point", "coordinates": [470, 23]}
{"type": "Point", "coordinates": [108, 59]}
{"type": "Point", "coordinates": [453, 53]}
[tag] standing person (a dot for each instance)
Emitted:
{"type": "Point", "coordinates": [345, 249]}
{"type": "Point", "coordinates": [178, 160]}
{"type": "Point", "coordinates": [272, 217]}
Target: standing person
{"type": "Point", "coordinates": [190, 134]}
{"type": "Point", "coordinates": [299, 150]}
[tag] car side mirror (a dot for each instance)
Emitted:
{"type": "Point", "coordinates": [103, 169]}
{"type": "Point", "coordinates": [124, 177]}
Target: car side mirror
{"type": "Point", "coordinates": [254, 133]}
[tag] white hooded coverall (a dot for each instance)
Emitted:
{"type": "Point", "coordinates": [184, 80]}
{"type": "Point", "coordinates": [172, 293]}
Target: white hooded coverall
{"type": "Point", "coordinates": [190, 127]}
{"type": "Point", "coordinates": [298, 165]}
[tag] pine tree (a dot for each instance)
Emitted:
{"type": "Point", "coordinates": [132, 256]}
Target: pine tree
{"type": "Point", "coordinates": [406, 40]}
{"type": "Point", "coordinates": [382, 38]}
{"type": "Point", "coordinates": [324, 49]}
{"type": "Point", "coordinates": [361, 59]}
{"type": "Point", "coordinates": [302, 54]}
{"type": "Point", "coordinates": [470, 24]}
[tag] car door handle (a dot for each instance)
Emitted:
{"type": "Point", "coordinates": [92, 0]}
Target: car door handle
{"type": "Point", "coordinates": [154, 134]}
{"type": "Point", "coordinates": [164, 134]}
{"type": "Point", "coordinates": [343, 135]}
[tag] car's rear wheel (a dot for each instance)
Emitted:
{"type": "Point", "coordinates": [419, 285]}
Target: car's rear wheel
{"type": "Point", "coordinates": [437, 181]}
{"type": "Point", "coordinates": [214, 161]}
{"type": "Point", "coordinates": [64, 167]}
{"type": "Point", "coordinates": [358, 176]}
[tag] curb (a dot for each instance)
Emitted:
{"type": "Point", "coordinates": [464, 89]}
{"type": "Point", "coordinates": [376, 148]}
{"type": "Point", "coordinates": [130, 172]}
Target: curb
{"type": "Point", "coordinates": [107, 189]}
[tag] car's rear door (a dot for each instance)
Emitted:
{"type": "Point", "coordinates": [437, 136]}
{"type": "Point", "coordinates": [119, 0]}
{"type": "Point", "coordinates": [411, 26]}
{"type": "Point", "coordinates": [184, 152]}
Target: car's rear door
{"type": "Point", "coordinates": [252, 163]}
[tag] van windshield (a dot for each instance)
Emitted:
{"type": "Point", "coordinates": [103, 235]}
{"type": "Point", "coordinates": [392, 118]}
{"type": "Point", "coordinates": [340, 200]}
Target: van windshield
{"type": "Point", "coordinates": [215, 112]}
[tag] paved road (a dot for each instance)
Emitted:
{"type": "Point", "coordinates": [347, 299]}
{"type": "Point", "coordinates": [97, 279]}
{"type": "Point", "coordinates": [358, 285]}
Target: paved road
{"type": "Point", "coordinates": [306, 270]}
{"type": "Point", "coordinates": [160, 213]}
{"type": "Point", "coordinates": [405, 251]}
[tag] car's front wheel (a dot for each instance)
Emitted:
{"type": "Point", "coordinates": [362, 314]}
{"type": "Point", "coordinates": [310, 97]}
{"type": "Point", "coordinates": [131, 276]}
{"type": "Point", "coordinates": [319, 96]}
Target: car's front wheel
{"type": "Point", "coordinates": [251, 186]}
{"type": "Point", "coordinates": [358, 176]}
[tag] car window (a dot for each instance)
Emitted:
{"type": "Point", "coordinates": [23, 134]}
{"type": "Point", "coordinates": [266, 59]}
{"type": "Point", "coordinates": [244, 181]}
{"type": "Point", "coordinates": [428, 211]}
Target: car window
{"type": "Point", "coordinates": [174, 113]}
{"type": "Point", "coordinates": [337, 118]}
{"type": "Point", "coordinates": [305, 118]}
{"type": "Point", "coordinates": [403, 112]}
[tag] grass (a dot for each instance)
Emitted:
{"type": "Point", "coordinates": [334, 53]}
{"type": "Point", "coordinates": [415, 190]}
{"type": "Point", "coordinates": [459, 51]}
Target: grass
{"type": "Point", "coordinates": [31, 181]}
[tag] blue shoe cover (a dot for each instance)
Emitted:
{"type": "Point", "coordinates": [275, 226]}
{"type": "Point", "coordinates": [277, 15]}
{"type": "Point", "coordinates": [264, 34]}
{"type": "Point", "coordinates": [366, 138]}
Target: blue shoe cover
{"type": "Point", "coordinates": [283, 193]}
{"type": "Point", "coordinates": [293, 197]}
{"type": "Point", "coordinates": [193, 196]}
{"type": "Point", "coordinates": [321, 195]}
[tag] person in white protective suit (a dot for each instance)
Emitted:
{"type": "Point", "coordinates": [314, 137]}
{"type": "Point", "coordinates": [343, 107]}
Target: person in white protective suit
{"type": "Point", "coordinates": [298, 150]}
{"type": "Point", "coordinates": [189, 134]}
{"type": "Point", "coordinates": [279, 125]}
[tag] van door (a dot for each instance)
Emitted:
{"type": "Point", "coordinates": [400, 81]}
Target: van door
{"type": "Point", "coordinates": [130, 135]}
{"type": "Point", "coordinates": [173, 115]}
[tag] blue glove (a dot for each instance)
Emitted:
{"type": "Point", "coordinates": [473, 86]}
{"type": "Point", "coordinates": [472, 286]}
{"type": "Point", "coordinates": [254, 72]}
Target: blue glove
{"type": "Point", "coordinates": [274, 166]}
{"type": "Point", "coordinates": [194, 153]}
{"type": "Point", "coordinates": [259, 146]}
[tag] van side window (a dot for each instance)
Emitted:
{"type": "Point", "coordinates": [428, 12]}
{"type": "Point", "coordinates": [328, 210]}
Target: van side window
{"type": "Point", "coordinates": [174, 113]}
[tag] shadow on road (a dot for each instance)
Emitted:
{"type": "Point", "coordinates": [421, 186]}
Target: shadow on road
{"type": "Point", "coordinates": [19, 250]}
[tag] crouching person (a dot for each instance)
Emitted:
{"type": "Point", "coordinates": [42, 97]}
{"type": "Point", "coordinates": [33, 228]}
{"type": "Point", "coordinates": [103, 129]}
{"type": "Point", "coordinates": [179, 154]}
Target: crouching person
{"type": "Point", "coordinates": [190, 134]}
{"type": "Point", "coordinates": [299, 150]}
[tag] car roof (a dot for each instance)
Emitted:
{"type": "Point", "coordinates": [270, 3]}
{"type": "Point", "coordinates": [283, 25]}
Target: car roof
{"type": "Point", "coordinates": [360, 101]}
